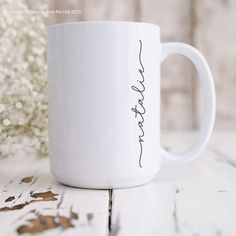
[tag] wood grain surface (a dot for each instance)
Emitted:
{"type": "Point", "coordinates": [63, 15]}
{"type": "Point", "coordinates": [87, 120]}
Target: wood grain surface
{"type": "Point", "coordinates": [194, 199]}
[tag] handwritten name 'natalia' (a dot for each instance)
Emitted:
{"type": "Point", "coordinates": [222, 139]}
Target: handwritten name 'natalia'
{"type": "Point", "coordinates": [139, 109]}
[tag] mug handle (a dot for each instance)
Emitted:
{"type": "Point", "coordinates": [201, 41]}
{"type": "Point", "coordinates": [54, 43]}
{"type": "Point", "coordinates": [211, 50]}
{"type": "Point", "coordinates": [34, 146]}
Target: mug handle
{"type": "Point", "coordinates": [208, 90]}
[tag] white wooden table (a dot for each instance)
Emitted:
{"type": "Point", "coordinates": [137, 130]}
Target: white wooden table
{"type": "Point", "coordinates": [198, 199]}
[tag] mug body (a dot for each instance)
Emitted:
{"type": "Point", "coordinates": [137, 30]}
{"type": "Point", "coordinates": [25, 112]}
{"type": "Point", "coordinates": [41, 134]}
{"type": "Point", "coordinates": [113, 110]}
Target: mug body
{"type": "Point", "coordinates": [104, 103]}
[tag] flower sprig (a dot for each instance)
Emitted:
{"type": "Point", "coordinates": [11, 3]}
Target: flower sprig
{"type": "Point", "coordinates": [23, 84]}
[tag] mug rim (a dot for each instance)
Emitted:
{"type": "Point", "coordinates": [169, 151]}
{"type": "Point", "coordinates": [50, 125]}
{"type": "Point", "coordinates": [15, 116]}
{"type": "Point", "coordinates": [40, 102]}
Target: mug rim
{"type": "Point", "coordinates": [102, 22]}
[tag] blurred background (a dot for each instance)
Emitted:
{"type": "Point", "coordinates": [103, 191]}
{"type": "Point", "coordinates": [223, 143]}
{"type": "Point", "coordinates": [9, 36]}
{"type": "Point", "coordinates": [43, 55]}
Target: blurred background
{"type": "Point", "coordinates": [209, 26]}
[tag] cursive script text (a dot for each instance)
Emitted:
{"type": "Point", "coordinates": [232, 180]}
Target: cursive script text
{"type": "Point", "coordinates": [139, 109]}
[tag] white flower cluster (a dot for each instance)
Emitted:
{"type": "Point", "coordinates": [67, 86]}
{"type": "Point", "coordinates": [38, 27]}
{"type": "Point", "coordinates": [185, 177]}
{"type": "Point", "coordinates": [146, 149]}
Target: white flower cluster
{"type": "Point", "coordinates": [23, 85]}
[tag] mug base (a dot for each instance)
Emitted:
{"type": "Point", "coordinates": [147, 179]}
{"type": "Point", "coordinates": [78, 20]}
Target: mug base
{"type": "Point", "coordinates": [129, 183]}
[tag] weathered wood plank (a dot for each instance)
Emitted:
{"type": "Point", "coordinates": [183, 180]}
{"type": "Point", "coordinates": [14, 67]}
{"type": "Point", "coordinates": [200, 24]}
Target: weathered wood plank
{"type": "Point", "coordinates": [31, 201]}
{"type": "Point", "coordinates": [195, 199]}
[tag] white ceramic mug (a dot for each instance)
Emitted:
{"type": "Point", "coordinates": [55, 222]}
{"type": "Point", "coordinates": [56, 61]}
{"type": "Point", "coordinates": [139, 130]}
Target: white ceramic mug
{"type": "Point", "coordinates": [104, 103]}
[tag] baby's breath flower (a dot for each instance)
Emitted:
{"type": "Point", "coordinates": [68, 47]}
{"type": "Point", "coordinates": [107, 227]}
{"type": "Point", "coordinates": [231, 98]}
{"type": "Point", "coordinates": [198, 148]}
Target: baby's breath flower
{"type": "Point", "coordinates": [6, 122]}
{"type": "Point", "coordinates": [23, 100]}
{"type": "Point", "coordinates": [2, 108]}
{"type": "Point", "coordinates": [19, 105]}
